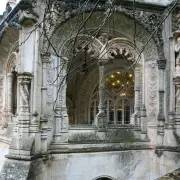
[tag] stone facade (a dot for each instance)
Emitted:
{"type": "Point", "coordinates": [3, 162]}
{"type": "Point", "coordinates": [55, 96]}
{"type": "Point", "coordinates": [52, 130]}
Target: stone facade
{"type": "Point", "coordinates": [60, 119]}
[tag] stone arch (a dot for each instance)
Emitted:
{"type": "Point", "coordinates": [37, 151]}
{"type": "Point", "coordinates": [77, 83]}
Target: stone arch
{"type": "Point", "coordinates": [12, 63]}
{"type": "Point", "coordinates": [104, 177]}
{"type": "Point", "coordinates": [65, 15]}
{"type": "Point", "coordinates": [11, 86]}
{"type": "Point", "coordinates": [93, 48]}
{"type": "Point", "coordinates": [124, 47]}
{"type": "Point", "coordinates": [125, 29]}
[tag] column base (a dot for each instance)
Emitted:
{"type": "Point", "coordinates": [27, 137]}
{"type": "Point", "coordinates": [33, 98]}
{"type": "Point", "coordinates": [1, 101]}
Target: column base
{"type": "Point", "coordinates": [101, 121]}
{"type": "Point", "coordinates": [169, 138]}
{"type": "Point", "coordinates": [57, 138]}
{"type": "Point", "coordinates": [144, 136]}
{"type": "Point", "coordinates": [101, 135]}
{"type": "Point", "coordinates": [177, 124]}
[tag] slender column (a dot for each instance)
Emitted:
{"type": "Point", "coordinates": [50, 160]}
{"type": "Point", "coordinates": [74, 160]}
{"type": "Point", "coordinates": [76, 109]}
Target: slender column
{"type": "Point", "coordinates": [101, 119]}
{"type": "Point", "coordinates": [161, 116]}
{"type": "Point", "coordinates": [34, 123]}
{"type": "Point", "coordinates": [61, 117]}
{"type": "Point", "coordinates": [137, 106]}
{"type": "Point", "coordinates": [45, 58]}
{"type": "Point", "coordinates": [122, 110]}
{"type": "Point", "coordinates": [135, 118]}
{"type": "Point", "coordinates": [177, 88]}
{"type": "Point", "coordinates": [9, 95]}
{"type": "Point", "coordinates": [172, 88]}
{"type": "Point", "coordinates": [143, 116]}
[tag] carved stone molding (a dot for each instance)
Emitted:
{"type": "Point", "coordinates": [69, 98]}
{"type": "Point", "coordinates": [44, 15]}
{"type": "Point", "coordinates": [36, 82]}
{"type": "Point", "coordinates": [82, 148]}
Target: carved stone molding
{"type": "Point", "coordinates": [152, 91]}
{"type": "Point", "coordinates": [46, 58]}
{"type": "Point", "coordinates": [24, 82]}
{"type": "Point", "coordinates": [27, 11]}
{"type": "Point", "coordinates": [67, 10]}
{"type": "Point", "coordinates": [161, 64]}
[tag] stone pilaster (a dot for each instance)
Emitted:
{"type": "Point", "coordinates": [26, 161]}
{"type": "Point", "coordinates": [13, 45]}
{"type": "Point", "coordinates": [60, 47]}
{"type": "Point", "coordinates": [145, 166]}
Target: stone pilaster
{"type": "Point", "coordinates": [161, 116]}
{"type": "Point", "coordinates": [101, 119]}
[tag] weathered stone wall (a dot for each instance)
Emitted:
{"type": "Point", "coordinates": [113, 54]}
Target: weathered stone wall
{"type": "Point", "coordinates": [123, 165]}
{"type": "Point", "coordinates": [3, 151]}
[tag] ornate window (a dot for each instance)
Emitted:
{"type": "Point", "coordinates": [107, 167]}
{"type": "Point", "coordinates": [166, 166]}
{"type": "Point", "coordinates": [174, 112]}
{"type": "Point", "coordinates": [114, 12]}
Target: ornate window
{"type": "Point", "coordinates": [119, 98]}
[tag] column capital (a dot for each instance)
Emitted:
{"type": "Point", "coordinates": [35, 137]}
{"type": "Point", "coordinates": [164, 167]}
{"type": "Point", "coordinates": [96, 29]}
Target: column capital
{"type": "Point", "coordinates": [136, 88]}
{"type": "Point", "coordinates": [24, 78]}
{"type": "Point", "coordinates": [45, 57]}
{"type": "Point", "coordinates": [161, 63]}
{"type": "Point", "coordinates": [102, 62]}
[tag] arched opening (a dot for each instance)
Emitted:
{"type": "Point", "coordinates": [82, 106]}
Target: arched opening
{"type": "Point", "coordinates": [118, 100]}
{"type": "Point", "coordinates": [104, 178]}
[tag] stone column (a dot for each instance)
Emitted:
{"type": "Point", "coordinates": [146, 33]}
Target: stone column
{"type": "Point", "coordinates": [135, 119]}
{"type": "Point", "coordinates": [61, 116]}
{"type": "Point", "coordinates": [177, 87]}
{"type": "Point", "coordinates": [136, 116]}
{"type": "Point", "coordinates": [45, 58]}
{"type": "Point", "coordinates": [161, 116]}
{"type": "Point", "coordinates": [9, 97]}
{"type": "Point", "coordinates": [169, 138]}
{"type": "Point", "coordinates": [24, 80]}
{"type": "Point", "coordinates": [101, 119]}
{"type": "Point", "coordinates": [177, 106]}
{"type": "Point", "coordinates": [143, 117]}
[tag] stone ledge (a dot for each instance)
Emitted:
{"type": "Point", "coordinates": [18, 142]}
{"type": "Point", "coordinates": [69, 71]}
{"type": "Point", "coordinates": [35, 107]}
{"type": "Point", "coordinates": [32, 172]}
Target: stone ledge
{"type": "Point", "coordinates": [105, 147]}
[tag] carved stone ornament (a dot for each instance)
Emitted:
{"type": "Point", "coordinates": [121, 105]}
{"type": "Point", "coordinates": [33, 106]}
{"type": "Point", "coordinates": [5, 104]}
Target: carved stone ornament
{"type": "Point", "coordinates": [177, 84]}
{"type": "Point", "coordinates": [161, 64]}
{"type": "Point", "coordinates": [54, 16]}
{"type": "Point", "coordinates": [177, 50]}
{"type": "Point", "coordinates": [46, 58]}
{"type": "Point", "coordinates": [81, 43]}
{"type": "Point", "coordinates": [27, 11]}
{"type": "Point", "coordinates": [101, 121]}
{"type": "Point", "coordinates": [152, 93]}
{"type": "Point", "coordinates": [24, 81]}
{"type": "Point", "coordinates": [123, 47]}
